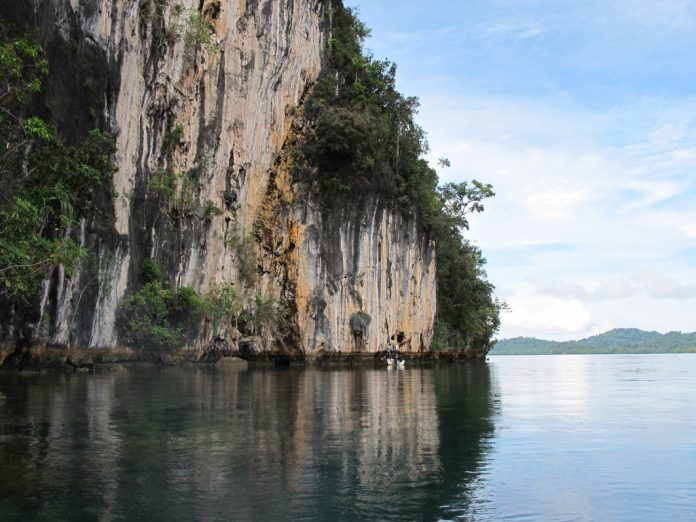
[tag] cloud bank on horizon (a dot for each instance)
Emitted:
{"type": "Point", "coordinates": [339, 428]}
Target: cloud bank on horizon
{"type": "Point", "coordinates": [583, 117]}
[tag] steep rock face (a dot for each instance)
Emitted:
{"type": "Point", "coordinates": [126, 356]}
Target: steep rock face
{"type": "Point", "coordinates": [365, 263]}
{"type": "Point", "coordinates": [355, 270]}
{"type": "Point", "coordinates": [212, 113]}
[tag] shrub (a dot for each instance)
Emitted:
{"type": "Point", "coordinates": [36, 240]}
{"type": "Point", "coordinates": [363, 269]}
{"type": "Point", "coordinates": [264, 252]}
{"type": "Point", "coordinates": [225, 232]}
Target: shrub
{"type": "Point", "coordinates": [265, 315]}
{"type": "Point", "coordinates": [172, 137]}
{"type": "Point", "coordinates": [440, 336]}
{"type": "Point", "coordinates": [175, 189]}
{"type": "Point", "coordinates": [244, 247]}
{"type": "Point", "coordinates": [158, 318]}
{"type": "Point", "coordinates": [47, 185]}
{"type": "Point", "coordinates": [195, 29]}
{"type": "Point", "coordinates": [151, 271]}
{"type": "Point", "coordinates": [146, 319]}
{"type": "Point", "coordinates": [224, 303]}
{"type": "Point", "coordinates": [211, 209]}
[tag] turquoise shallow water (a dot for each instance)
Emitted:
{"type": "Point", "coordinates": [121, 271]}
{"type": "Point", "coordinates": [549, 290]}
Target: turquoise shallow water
{"type": "Point", "coordinates": [517, 438]}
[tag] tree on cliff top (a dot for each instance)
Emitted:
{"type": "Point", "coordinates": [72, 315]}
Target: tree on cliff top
{"type": "Point", "coordinates": [363, 138]}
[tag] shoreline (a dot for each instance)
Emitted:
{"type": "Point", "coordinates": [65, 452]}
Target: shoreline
{"type": "Point", "coordinates": [61, 358]}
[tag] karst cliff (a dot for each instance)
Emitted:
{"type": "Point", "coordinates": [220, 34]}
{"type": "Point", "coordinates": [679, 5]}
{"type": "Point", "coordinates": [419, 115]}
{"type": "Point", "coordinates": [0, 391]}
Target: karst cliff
{"type": "Point", "coordinates": [204, 99]}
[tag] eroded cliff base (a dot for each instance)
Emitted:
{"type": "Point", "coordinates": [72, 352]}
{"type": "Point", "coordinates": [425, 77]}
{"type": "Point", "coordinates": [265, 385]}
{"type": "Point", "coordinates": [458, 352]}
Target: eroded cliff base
{"type": "Point", "coordinates": [61, 358]}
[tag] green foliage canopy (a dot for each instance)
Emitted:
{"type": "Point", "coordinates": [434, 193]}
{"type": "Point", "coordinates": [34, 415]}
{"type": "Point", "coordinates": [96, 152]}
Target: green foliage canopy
{"type": "Point", "coordinates": [617, 341]}
{"type": "Point", "coordinates": [363, 137]}
{"type": "Point", "coordinates": [47, 185]}
{"type": "Point", "coordinates": [159, 318]}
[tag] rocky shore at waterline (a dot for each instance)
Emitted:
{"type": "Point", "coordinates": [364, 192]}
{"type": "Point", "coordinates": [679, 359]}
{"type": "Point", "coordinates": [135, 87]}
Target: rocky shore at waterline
{"type": "Point", "coordinates": [61, 358]}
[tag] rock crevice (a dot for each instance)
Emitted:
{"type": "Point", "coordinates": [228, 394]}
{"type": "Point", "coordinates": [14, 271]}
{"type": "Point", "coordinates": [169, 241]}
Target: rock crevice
{"type": "Point", "coordinates": [214, 112]}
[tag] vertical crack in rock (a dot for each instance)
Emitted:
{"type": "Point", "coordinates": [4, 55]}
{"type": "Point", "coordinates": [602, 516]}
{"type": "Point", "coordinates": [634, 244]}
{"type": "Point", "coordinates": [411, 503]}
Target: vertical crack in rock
{"type": "Point", "coordinates": [217, 118]}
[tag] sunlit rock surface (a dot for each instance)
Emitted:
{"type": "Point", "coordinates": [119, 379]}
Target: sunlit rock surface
{"type": "Point", "coordinates": [218, 112]}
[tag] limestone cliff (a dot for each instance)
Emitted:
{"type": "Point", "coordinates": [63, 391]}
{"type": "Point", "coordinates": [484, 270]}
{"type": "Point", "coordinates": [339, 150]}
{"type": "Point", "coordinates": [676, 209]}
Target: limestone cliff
{"type": "Point", "coordinates": [213, 113]}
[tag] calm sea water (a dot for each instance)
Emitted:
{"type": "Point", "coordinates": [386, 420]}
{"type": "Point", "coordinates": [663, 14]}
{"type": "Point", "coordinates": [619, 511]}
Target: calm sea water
{"type": "Point", "coordinates": [517, 438]}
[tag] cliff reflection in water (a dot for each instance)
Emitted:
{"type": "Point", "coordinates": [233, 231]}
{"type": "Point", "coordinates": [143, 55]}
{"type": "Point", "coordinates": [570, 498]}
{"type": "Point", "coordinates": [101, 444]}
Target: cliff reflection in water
{"type": "Point", "coordinates": [181, 444]}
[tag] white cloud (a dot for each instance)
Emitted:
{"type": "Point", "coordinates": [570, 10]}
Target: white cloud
{"type": "Point", "coordinates": [573, 214]}
{"type": "Point", "coordinates": [562, 318]}
{"type": "Point", "coordinates": [650, 192]}
{"type": "Point", "coordinates": [582, 116]}
{"type": "Point", "coordinates": [558, 310]}
{"type": "Point", "coordinates": [665, 15]}
{"type": "Point", "coordinates": [514, 29]}
{"type": "Point", "coordinates": [662, 286]}
{"type": "Point", "coordinates": [615, 288]}
{"type": "Point", "coordinates": [556, 202]}
{"type": "Point", "coordinates": [651, 284]}
{"type": "Point", "coordinates": [689, 229]}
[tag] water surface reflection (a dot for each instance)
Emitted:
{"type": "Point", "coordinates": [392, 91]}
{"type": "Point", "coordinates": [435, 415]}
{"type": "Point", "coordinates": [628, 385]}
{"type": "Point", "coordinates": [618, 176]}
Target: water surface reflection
{"type": "Point", "coordinates": [199, 444]}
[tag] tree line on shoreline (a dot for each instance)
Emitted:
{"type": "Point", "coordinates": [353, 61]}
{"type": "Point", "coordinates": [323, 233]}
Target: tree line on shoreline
{"type": "Point", "coordinates": [616, 341]}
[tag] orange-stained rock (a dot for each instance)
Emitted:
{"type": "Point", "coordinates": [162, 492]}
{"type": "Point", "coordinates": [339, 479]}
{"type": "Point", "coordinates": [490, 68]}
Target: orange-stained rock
{"type": "Point", "coordinates": [217, 117]}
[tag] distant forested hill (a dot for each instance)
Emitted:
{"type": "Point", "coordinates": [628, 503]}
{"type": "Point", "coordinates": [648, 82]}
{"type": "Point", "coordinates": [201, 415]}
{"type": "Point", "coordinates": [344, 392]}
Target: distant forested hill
{"type": "Point", "coordinates": [619, 340]}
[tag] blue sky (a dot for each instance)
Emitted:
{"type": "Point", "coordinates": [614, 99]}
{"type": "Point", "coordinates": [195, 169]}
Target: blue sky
{"type": "Point", "coordinates": [583, 117]}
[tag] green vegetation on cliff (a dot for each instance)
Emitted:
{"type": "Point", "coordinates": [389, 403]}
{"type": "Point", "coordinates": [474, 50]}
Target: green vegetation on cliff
{"type": "Point", "coordinates": [620, 340]}
{"type": "Point", "coordinates": [162, 319]}
{"type": "Point", "coordinates": [363, 138]}
{"type": "Point", "coordinates": [47, 184]}
{"type": "Point", "coordinates": [57, 189]}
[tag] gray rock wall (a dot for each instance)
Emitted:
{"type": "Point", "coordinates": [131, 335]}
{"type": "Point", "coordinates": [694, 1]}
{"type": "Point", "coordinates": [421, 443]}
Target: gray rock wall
{"type": "Point", "coordinates": [366, 273]}
{"type": "Point", "coordinates": [216, 113]}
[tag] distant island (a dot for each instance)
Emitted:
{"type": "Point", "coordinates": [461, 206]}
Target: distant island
{"type": "Point", "coordinates": [619, 340]}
